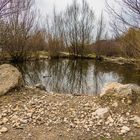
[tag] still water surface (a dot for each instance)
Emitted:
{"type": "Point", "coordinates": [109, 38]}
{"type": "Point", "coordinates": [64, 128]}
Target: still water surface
{"type": "Point", "coordinates": [77, 76]}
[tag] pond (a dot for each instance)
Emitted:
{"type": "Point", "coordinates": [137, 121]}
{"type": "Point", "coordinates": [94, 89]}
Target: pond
{"type": "Point", "coordinates": [77, 76]}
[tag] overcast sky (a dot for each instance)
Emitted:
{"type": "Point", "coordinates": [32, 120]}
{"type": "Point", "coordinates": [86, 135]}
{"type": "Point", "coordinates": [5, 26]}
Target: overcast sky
{"type": "Point", "coordinates": [46, 6]}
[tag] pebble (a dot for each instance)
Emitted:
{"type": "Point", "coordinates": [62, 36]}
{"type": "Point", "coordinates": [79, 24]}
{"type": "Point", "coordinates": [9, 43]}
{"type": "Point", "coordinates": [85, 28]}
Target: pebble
{"type": "Point", "coordinates": [4, 120]}
{"type": "Point", "coordinates": [3, 130]}
{"type": "Point", "coordinates": [100, 112]}
{"type": "Point", "coordinates": [136, 119]}
{"type": "Point", "coordinates": [124, 130]}
{"type": "Point", "coordinates": [115, 104]}
{"type": "Point", "coordinates": [89, 117]}
{"type": "Point", "coordinates": [23, 121]}
{"type": "Point", "coordinates": [110, 120]}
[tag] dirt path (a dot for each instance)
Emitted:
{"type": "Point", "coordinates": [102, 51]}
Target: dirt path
{"type": "Point", "coordinates": [31, 114]}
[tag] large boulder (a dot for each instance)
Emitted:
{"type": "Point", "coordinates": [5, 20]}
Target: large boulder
{"type": "Point", "coordinates": [10, 78]}
{"type": "Point", "coordinates": [120, 90]}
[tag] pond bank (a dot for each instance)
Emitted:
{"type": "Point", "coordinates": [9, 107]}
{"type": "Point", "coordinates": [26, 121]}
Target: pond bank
{"type": "Point", "coordinates": [33, 114]}
{"type": "Point", "coordinates": [63, 55]}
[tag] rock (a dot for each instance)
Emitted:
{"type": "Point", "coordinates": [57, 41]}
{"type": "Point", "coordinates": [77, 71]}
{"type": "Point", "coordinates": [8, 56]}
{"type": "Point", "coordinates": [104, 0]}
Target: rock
{"type": "Point", "coordinates": [115, 104]}
{"type": "Point", "coordinates": [4, 120]}
{"type": "Point", "coordinates": [17, 125]}
{"type": "Point", "coordinates": [41, 87]}
{"type": "Point", "coordinates": [76, 94]}
{"type": "Point", "coordinates": [100, 112]}
{"type": "Point", "coordinates": [3, 130]}
{"type": "Point", "coordinates": [136, 119]}
{"type": "Point", "coordinates": [10, 78]}
{"type": "Point", "coordinates": [110, 88]}
{"type": "Point", "coordinates": [120, 90]}
{"type": "Point", "coordinates": [124, 130]}
{"type": "Point", "coordinates": [23, 121]}
{"type": "Point", "coordinates": [14, 118]}
{"type": "Point", "coordinates": [72, 125]}
{"type": "Point", "coordinates": [108, 135]}
{"type": "Point", "coordinates": [110, 120]}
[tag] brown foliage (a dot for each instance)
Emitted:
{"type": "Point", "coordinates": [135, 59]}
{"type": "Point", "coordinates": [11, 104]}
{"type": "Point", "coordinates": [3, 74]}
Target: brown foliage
{"type": "Point", "coordinates": [107, 48]}
{"type": "Point", "coordinates": [37, 41]}
{"type": "Point", "coordinates": [54, 46]}
{"type": "Point", "coordinates": [131, 43]}
{"type": "Point", "coordinates": [16, 31]}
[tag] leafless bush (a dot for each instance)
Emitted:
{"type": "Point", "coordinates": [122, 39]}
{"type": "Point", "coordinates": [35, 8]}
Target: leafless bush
{"type": "Point", "coordinates": [37, 42]}
{"type": "Point", "coordinates": [55, 46]}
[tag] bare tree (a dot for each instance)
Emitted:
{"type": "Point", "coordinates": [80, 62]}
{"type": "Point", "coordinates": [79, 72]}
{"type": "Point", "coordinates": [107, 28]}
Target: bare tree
{"type": "Point", "coordinates": [8, 7]}
{"type": "Point", "coordinates": [101, 33]}
{"type": "Point", "coordinates": [17, 30]}
{"type": "Point", "coordinates": [55, 41]}
{"type": "Point", "coordinates": [79, 25]}
{"type": "Point", "coordinates": [128, 13]}
{"type": "Point", "coordinates": [74, 29]}
{"type": "Point", "coordinates": [5, 7]}
{"type": "Point", "coordinates": [126, 25]}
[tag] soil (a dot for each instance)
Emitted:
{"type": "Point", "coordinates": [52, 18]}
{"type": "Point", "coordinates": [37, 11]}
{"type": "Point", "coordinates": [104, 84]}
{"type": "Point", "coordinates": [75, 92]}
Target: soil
{"type": "Point", "coordinates": [32, 114]}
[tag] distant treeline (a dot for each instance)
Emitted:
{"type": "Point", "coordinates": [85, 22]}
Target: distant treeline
{"type": "Point", "coordinates": [75, 30]}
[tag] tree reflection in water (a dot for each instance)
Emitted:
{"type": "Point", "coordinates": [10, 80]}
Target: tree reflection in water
{"type": "Point", "coordinates": [76, 76]}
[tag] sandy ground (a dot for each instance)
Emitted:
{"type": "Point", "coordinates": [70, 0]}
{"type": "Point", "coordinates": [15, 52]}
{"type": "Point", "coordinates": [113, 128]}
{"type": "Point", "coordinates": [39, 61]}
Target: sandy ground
{"type": "Point", "coordinates": [31, 114]}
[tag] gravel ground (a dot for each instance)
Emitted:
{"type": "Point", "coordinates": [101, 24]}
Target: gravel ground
{"type": "Point", "coordinates": [32, 114]}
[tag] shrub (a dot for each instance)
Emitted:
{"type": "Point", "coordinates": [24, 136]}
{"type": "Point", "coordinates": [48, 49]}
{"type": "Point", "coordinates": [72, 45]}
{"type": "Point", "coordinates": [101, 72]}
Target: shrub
{"type": "Point", "coordinates": [131, 43]}
{"type": "Point", "coordinates": [54, 46]}
{"type": "Point", "coordinates": [107, 48]}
